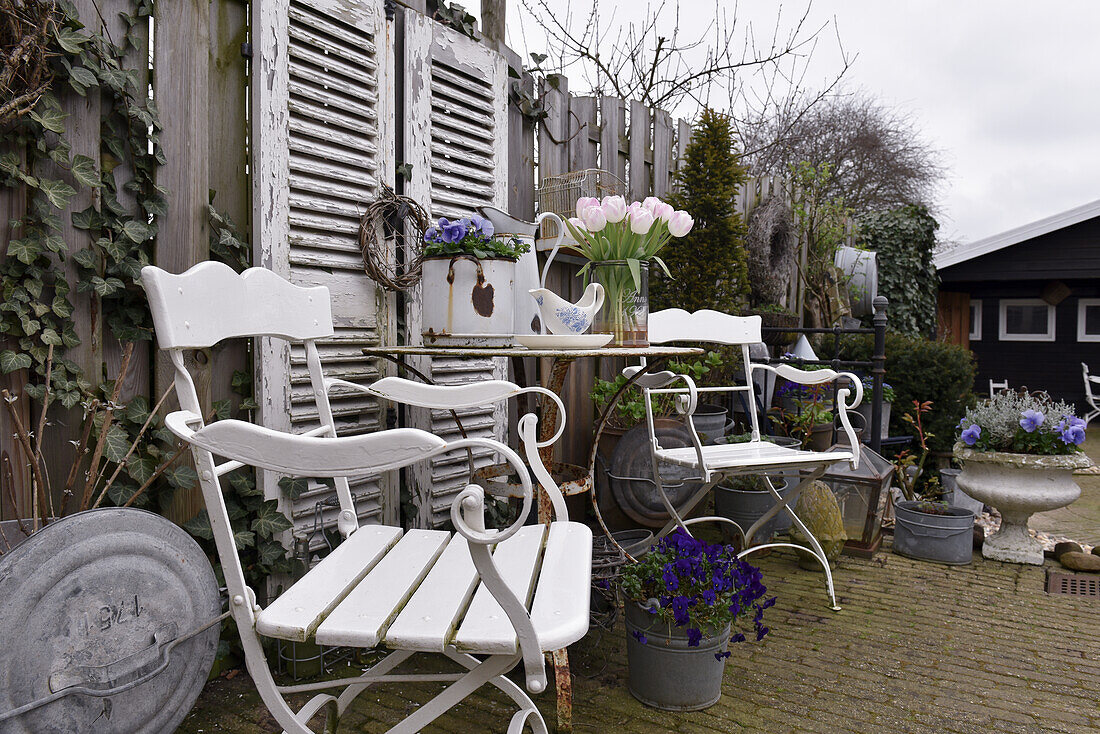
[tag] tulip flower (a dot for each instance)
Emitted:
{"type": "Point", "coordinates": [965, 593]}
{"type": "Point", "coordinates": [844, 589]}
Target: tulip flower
{"type": "Point", "coordinates": [584, 202]}
{"type": "Point", "coordinates": [641, 221]}
{"type": "Point", "coordinates": [614, 208]}
{"type": "Point", "coordinates": [680, 223]}
{"type": "Point", "coordinates": [577, 223]}
{"type": "Point", "coordinates": [663, 211]}
{"type": "Point", "coordinates": [651, 202]}
{"type": "Point", "coordinates": [594, 218]}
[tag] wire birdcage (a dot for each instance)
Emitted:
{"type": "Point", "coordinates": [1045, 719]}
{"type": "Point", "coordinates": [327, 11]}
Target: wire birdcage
{"type": "Point", "coordinates": [559, 194]}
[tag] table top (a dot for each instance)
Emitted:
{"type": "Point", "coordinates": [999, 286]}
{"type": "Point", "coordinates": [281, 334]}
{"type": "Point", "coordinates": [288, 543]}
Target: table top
{"type": "Point", "coordinates": [650, 351]}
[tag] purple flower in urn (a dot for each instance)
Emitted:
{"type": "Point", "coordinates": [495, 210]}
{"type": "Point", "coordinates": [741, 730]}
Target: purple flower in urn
{"type": "Point", "coordinates": [481, 227]}
{"type": "Point", "coordinates": [1031, 420]}
{"type": "Point", "coordinates": [971, 435]}
{"type": "Point", "coordinates": [452, 231]}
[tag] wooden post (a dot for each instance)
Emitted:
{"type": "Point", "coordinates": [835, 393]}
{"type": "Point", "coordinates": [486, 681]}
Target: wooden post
{"type": "Point", "coordinates": [662, 153]}
{"type": "Point", "coordinates": [612, 131]}
{"type": "Point", "coordinates": [493, 13]}
{"type": "Point", "coordinates": [181, 89]}
{"type": "Point", "coordinates": [555, 129]}
{"type": "Point", "coordinates": [521, 147]}
{"type": "Point", "coordinates": [638, 187]}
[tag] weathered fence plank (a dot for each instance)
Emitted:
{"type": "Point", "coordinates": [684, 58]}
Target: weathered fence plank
{"type": "Point", "coordinates": [583, 144]}
{"type": "Point", "coordinates": [612, 132]}
{"type": "Point", "coordinates": [555, 130]}
{"type": "Point", "coordinates": [638, 184]}
{"type": "Point", "coordinates": [662, 153]}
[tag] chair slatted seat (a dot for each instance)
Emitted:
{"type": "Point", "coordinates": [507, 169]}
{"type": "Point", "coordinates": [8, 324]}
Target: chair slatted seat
{"type": "Point", "coordinates": [508, 595]}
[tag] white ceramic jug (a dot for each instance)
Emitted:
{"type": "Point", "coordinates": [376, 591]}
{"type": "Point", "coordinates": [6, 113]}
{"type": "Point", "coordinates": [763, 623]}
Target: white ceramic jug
{"type": "Point", "coordinates": [527, 269]}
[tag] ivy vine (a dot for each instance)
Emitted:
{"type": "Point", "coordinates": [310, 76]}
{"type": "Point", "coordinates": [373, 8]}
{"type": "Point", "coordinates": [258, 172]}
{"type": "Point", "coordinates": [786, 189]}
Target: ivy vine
{"type": "Point", "coordinates": [905, 238]}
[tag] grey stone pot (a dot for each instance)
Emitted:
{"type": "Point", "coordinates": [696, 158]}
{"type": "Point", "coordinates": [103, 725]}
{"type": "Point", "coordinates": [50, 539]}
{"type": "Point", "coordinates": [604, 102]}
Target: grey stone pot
{"type": "Point", "coordinates": [666, 673]}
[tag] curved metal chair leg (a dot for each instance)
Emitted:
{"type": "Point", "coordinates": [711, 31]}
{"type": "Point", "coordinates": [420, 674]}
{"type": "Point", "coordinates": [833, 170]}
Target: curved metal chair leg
{"type": "Point", "coordinates": [820, 554]}
{"type": "Point", "coordinates": [527, 708]}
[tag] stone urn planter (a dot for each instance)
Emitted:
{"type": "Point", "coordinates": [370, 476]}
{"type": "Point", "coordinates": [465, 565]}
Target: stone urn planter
{"type": "Point", "coordinates": [1018, 485]}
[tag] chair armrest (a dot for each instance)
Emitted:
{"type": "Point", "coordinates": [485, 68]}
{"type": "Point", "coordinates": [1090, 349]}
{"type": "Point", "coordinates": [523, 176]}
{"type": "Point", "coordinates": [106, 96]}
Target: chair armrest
{"type": "Point", "coordinates": [450, 397]}
{"type": "Point", "coordinates": [659, 380]}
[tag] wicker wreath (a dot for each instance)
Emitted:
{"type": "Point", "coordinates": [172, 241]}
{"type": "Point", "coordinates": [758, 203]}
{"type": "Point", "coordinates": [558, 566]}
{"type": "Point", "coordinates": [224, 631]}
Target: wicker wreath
{"type": "Point", "coordinates": [399, 217]}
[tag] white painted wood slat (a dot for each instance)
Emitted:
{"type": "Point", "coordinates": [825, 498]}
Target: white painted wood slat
{"type": "Point", "coordinates": [428, 620]}
{"type": "Point", "coordinates": [485, 628]}
{"type": "Point", "coordinates": [559, 612]}
{"type": "Point", "coordinates": [297, 613]}
{"type": "Point", "coordinates": [362, 617]}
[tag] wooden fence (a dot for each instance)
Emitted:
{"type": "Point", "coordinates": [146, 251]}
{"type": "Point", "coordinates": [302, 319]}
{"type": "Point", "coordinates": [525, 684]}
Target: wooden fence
{"type": "Point", "coordinates": [199, 78]}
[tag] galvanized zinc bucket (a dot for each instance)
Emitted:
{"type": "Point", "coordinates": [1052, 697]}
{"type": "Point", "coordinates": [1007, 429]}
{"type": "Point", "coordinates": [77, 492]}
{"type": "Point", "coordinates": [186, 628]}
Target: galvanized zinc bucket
{"type": "Point", "coordinates": [666, 673]}
{"type": "Point", "coordinates": [942, 538]}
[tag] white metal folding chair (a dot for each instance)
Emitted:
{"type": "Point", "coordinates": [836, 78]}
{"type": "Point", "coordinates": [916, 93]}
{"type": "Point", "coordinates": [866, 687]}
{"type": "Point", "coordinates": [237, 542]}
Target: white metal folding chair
{"type": "Point", "coordinates": [996, 387]}
{"type": "Point", "coordinates": [1090, 397]}
{"type": "Point", "coordinates": [503, 595]}
{"type": "Point", "coordinates": [756, 456]}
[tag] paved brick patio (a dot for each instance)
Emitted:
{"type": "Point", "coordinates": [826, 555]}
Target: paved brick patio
{"type": "Point", "coordinates": [918, 647]}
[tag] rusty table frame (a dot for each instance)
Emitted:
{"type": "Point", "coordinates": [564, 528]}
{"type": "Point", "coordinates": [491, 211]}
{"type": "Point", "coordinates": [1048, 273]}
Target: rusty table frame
{"type": "Point", "coordinates": [562, 360]}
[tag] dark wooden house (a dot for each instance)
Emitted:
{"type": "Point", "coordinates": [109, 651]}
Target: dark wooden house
{"type": "Point", "coordinates": [1027, 303]}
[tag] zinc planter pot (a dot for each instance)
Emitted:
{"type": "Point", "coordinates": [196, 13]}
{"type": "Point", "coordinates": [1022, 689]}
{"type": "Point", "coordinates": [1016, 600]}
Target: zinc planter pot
{"type": "Point", "coordinates": [666, 673]}
{"type": "Point", "coordinates": [927, 536]}
{"type": "Point", "coordinates": [1018, 485]}
{"type": "Point", "coordinates": [746, 506]}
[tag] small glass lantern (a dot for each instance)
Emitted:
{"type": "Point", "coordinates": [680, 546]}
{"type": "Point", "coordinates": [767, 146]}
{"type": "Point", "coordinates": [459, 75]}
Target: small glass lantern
{"type": "Point", "coordinates": [859, 495]}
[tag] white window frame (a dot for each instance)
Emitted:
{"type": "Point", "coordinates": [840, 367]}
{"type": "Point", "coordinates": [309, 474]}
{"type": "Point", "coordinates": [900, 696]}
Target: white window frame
{"type": "Point", "coordinates": [976, 324]}
{"type": "Point", "coordinates": [1082, 304]}
{"type": "Point", "coordinates": [1004, 336]}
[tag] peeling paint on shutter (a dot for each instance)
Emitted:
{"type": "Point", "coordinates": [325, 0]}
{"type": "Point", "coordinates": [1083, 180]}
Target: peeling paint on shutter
{"type": "Point", "coordinates": [323, 137]}
{"type": "Point", "coordinates": [456, 138]}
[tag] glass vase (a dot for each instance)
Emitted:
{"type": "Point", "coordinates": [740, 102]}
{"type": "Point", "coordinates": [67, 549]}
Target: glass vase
{"type": "Point", "coordinates": [625, 311]}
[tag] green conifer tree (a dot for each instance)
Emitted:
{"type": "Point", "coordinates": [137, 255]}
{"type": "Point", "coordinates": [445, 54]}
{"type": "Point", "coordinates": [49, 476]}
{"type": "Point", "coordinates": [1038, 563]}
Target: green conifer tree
{"type": "Point", "coordinates": [708, 266]}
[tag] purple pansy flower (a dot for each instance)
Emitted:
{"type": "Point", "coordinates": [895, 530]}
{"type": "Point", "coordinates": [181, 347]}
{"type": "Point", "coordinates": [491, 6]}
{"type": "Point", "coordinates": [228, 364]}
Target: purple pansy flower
{"type": "Point", "coordinates": [452, 231]}
{"type": "Point", "coordinates": [481, 227]}
{"type": "Point", "coordinates": [971, 435]}
{"type": "Point", "coordinates": [695, 636]}
{"type": "Point", "coordinates": [640, 636]}
{"type": "Point", "coordinates": [1073, 435]}
{"type": "Point", "coordinates": [1031, 420]}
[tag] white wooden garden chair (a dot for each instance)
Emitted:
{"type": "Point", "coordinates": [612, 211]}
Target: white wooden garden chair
{"type": "Point", "coordinates": [756, 456]}
{"type": "Point", "coordinates": [1090, 397]}
{"type": "Point", "coordinates": [504, 596]}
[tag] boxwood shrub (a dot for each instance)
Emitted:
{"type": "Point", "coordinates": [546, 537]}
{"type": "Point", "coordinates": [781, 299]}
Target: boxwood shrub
{"type": "Point", "coordinates": [919, 369]}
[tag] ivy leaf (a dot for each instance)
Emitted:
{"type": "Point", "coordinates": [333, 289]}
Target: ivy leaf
{"type": "Point", "coordinates": [121, 492]}
{"type": "Point", "coordinates": [137, 410]}
{"type": "Point", "coordinates": [61, 307]}
{"type": "Point", "coordinates": [199, 526]}
{"type": "Point", "coordinates": [25, 250]}
{"type": "Point", "coordinates": [86, 259]}
{"type": "Point", "coordinates": [83, 76]}
{"type": "Point", "coordinates": [51, 118]}
{"type": "Point", "coordinates": [294, 486]}
{"type": "Point", "coordinates": [116, 443]}
{"type": "Point", "coordinates": [222, 409]}
{"type": "Point", "coordinates": [244, 484]}
{"type": "Point", "coordinates": [135, 231]}
{"type": "Point", "coordinates": [58, 192]}
{"type": "Point", "coordinates": [49, 336]}
{"type": "Point", "coordinates": [181, 477]}
{"type": "Point", "coordinates": [269, 552]}
{"type": "Point", "coordinates": [87, 219]}
{"type": "Point", "coordinates": [11, 361]}
{"type": "Point", "coordinates": [69, 40]}
{"type": "Point", "coordinates": [141, 469]}
{"type": "Point", "coordinates": [244, 539]}
{"type": "Point", "coordinates": [84, 171]}
{"type": "Point", "coordinates": [269, 520]}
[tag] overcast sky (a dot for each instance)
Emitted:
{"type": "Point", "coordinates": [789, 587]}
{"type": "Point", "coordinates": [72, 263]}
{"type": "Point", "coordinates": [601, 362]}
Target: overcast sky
{"type": "Point", "coordinates": [1009, 90]}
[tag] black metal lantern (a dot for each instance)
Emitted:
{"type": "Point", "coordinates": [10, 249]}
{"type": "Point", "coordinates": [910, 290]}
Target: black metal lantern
{"type": "Point", "coordinates": [859, 494]}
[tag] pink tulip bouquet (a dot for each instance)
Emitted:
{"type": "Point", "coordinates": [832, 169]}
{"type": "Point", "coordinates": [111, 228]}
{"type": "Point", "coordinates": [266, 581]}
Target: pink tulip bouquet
{"type": "Point", "coordinates": [619, 240]}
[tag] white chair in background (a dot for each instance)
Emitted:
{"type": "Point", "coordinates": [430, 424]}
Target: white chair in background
{"type": "Point", "coordinates": [504, 596]}
{"type": "Point", "coordinates": [711, 463]}
{"type": "Point", "coordinates": [995, 387]}
{"type": "Point", "coordinates": [1090, 397]}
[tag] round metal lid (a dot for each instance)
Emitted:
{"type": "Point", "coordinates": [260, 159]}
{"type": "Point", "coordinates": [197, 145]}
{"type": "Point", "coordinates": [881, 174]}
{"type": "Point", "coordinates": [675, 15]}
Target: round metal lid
{"type": "Point", "coordinates": [94, 601]}
{"type": "Point", "coordinates": [639, 498]}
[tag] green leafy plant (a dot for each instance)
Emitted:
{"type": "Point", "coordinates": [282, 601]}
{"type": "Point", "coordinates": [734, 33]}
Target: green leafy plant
{"type": "Point", "coordinates": [821, 220]}
{"type": "Point", "coordinates": [924, 370]}
{"type": "Point", "coordinates": [630, 409]}
{"type": "Point", "coordinates": [707, 268]}
{"type": "Point", "coordinates": [905, 239]}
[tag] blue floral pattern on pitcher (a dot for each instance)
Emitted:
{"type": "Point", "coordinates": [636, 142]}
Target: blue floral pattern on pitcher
{"type": "Point", "coordinates": [573, 318]}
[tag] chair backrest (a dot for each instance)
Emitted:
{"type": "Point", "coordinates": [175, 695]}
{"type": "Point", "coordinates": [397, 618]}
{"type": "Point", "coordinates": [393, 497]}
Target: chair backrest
{"type": "Point", "coordinates": [677, 325]}
{"type": "Point", "coordinates": [1089, 380]}
{"type": "Point", "coordinates": [995, 386]}
{"type": "Point", "coordinates": [211, 302]}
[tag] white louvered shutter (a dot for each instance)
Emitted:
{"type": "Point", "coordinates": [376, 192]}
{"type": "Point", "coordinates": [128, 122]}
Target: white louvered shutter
{"type": "Point", "coordinates": [456, 140]}
{"type": "Point", "coordinates": [323, 137]}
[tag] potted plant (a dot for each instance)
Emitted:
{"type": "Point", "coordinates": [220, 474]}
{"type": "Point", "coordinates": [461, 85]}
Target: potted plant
{"type": "Point", "coordinates": [1018, 454]}
{"type": "Point", "coordinates": [470, 275]}
{"type": "Point", "coordinates": [925, 528]}
{"type": "Point", "coordinates": [619, 241]}
{"type": "Point", "coordinates": [684, 600]}
{"type": "Point", "coordinates": [745, 499]}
